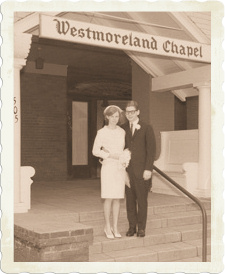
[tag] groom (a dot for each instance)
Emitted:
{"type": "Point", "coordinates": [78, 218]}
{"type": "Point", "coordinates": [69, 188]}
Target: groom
{"type": "Point", "coordinates": [140, 140]}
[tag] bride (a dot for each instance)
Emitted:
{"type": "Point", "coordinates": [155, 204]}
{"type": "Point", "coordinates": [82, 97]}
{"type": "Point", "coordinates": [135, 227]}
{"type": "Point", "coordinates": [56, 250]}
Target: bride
{"type": "Point", "coordinates": [109, 145]}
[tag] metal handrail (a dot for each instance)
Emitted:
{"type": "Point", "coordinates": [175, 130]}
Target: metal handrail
{"type": "Point", "coordinates": [197, 201]}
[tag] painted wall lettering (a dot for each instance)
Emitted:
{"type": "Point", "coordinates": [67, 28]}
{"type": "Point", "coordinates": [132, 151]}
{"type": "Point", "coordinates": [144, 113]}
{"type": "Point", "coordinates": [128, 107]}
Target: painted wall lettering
{"type": "Point", "coordinates": [92, 34]}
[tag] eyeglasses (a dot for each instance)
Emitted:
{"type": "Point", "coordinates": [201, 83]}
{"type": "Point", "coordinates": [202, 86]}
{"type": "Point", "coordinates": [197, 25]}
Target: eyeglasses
{"type": "Point", "coordinates": [130, 112]}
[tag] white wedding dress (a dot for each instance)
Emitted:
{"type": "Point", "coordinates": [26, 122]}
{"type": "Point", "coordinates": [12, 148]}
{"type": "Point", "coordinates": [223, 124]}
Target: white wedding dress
{"type": "Point", "coordinates": [112, 173]}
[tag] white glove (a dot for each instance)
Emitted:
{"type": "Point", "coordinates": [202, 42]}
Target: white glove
{"type": "Point", "coordinates": [147, 174]}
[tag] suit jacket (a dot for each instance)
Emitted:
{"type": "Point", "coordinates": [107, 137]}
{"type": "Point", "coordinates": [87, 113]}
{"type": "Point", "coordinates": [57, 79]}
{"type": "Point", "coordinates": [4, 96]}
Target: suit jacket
{"type": "Point", "coordinates": [142, 146]}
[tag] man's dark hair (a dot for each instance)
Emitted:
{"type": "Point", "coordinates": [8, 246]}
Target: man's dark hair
{"type": "Point", "coordinates": [132, 104]}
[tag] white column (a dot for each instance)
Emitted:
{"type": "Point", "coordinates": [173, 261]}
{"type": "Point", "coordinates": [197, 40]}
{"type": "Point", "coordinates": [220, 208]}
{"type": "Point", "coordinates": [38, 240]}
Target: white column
{"type": "Point", "coordinates": [18, 64]}
{"type": "Point", "coordinates": [204, 124]}
{"type": "Point", "coordinates": [22, 44]}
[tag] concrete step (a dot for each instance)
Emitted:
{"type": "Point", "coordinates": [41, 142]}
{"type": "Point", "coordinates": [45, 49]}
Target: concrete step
{"type": "Point", "coordinates": [138, 254]}
{"type": "Point", "coordinates": [101, 244]}
{"type": "Point", "coordinates": [192, 232]}
{"type": "Point", "coordinates": [198, 244]}
{"type": "Point", "coordinates": [158, 253]}
{"type": "Point", "coordinates": [152, 210]}
{"type": "Point", "coordinates": [153, 237]}
{"type": "Point", "coordinates": [173, 219]}
{"type": "Point", "coordinates": [171, 235]}
{"type": "Point", "coordinates": [185, 218]}
{"type": "Point", "coordinates": [154, 221]}
{"type": "Point", "coordinates": [195, 259]}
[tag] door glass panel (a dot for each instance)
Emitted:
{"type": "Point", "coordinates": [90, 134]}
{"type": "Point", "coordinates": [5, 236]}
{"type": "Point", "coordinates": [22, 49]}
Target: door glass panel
{"type": "Point", "coordinates": [80, 133]}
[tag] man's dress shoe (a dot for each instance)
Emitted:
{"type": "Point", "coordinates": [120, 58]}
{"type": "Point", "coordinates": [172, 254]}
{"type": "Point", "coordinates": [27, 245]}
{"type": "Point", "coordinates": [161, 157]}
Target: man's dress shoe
{"type": "Point", "coordinates": [141, 233]}
{"type": "Point", "coordinates": [131, 232]}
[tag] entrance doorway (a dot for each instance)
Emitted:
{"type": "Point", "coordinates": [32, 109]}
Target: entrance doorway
{"type": "Point", "coordinates": [82, 117]}
{"type": "Point", "coordinates": [96, 78]}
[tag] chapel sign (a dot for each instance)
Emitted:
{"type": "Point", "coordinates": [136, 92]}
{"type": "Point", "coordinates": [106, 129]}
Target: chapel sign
{"type": "Point", "coordinates": [96, 35]}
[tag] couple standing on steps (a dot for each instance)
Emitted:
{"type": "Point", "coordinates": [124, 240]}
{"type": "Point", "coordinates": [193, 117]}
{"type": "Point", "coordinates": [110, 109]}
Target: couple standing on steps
{"type": "Point", "coordinates": [127, 153]}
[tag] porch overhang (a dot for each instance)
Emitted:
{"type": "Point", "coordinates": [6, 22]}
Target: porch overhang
{"type": "Point", "coordinates": [183, 79]}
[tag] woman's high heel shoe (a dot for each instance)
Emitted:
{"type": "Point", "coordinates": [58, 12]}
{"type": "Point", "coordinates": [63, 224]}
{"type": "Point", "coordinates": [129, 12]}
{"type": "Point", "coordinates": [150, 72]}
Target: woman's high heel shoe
{"type": "Point", "coordinates": [109, 236]}
{"type": "Point", "coordinates": [116, 235]}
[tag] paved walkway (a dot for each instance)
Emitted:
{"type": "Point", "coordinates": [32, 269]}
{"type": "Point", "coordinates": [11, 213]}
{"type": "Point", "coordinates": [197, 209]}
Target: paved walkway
{"type": "Point", "coordinates": [55, 205]}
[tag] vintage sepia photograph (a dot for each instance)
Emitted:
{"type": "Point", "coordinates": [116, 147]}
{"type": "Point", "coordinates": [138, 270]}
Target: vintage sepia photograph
{"type": "Point", "coordinates": [113, 147]}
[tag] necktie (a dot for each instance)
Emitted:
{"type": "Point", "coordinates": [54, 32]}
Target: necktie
{"type": "Point", "coordinates": [131, 128]}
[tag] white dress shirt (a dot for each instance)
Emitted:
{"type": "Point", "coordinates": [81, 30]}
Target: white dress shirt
{"type": "Point", "coordinates": [134, 125]}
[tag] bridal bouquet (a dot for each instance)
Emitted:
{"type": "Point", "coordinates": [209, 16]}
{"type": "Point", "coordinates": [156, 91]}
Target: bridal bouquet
{"type": "Point", "coordinates": [124, 158]}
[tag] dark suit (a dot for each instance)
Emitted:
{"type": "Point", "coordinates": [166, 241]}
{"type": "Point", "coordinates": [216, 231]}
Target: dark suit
{"type": "Point", "coordinates": [142, 147]}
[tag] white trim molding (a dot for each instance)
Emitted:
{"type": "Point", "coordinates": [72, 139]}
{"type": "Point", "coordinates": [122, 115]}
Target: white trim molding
{"type": "Point", "coordinates": [22, 44]}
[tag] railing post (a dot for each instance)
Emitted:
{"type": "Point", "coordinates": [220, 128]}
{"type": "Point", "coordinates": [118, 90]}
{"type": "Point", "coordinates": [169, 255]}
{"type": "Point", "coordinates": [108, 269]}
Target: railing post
{"type": "Point", "coordinates": [204, 236]}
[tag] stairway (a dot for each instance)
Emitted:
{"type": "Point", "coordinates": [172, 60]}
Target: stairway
{"type": "Point", "coordinates": [173, 233]}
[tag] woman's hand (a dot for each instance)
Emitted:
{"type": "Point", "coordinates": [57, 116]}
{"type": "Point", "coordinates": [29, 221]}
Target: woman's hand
{"type": "Point", "coordinates": [104, 149]}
